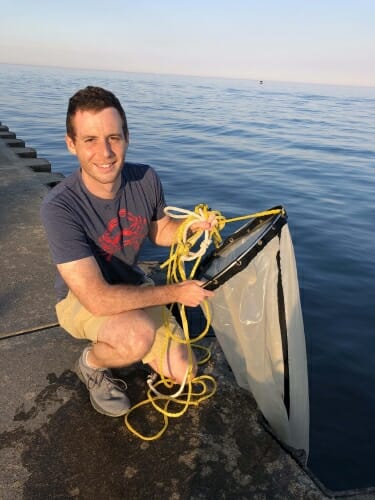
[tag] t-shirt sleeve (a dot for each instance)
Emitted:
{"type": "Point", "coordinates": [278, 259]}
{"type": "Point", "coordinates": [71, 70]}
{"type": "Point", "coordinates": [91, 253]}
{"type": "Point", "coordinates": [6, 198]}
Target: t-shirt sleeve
{"type": "Point", "coordinates": [159, 196]}
{"type": "Point", "coordinates": [66, 237]}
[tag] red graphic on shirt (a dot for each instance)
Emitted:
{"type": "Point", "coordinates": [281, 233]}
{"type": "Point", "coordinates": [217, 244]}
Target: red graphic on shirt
{"type": "Point", "coordinates": [116, 236]}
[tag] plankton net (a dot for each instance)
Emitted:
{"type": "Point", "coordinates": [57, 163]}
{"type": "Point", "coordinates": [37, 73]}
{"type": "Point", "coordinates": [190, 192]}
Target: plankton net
{"type": "Point", "coordinates": [257, 318]}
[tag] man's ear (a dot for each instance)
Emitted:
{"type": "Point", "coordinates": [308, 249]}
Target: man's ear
{"type": "Point", "coordinates": [70, 145]}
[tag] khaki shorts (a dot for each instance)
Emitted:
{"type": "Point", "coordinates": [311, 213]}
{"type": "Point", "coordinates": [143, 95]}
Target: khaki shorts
{"type": "Point", "coordinates": [81, 324]}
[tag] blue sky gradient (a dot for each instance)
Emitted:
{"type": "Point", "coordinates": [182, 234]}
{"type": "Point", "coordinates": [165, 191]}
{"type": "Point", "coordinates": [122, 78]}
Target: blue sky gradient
{"type": "Point", "coordinates": [317, 41]}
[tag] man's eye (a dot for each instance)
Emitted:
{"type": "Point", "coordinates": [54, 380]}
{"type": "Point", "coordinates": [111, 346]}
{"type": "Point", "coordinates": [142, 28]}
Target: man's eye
{"type": "Point", "coordinates": [89, 139]}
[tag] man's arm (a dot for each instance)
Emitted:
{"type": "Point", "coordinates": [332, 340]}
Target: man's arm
{"type": "Point", "coordinates": [86, 281]}
{"type": "Point", "coordinates": [163, 231]}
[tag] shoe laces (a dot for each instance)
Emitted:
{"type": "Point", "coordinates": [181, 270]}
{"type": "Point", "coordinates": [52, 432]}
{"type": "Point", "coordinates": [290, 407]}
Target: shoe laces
{"type": "Point", "coordinates": [100, 376]}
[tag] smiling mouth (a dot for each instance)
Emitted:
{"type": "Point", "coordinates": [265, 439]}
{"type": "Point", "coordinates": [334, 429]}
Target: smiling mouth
{"type": "Point", "coordinates": [105, 166]}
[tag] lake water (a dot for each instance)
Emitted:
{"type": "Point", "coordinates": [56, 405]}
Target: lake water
{"type": "Point", "coordinates": [242, 147]}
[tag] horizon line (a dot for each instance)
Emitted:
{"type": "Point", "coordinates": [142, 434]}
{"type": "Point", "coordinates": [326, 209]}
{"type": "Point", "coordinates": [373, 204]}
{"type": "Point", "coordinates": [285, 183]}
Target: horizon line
{"type": "Point", "coordinates": [188, 75]}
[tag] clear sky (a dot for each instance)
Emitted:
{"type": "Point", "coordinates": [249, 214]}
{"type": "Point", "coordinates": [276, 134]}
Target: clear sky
{"type": "Point", "coordinates": [318, 41]}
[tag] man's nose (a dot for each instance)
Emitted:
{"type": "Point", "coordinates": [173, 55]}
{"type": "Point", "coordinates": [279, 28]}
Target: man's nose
{"type": "Point", "coordinates": [107, 148]}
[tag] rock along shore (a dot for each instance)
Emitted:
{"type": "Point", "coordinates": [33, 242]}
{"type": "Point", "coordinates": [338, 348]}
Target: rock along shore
{"type": "Point", "coordinates": [54, 444]}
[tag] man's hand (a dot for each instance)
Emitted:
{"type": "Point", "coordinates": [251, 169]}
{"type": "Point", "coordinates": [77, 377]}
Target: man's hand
{"type": "Point", "coordinates": [190, 293]}
{"type": "Point", "coordinates": [206, 225]}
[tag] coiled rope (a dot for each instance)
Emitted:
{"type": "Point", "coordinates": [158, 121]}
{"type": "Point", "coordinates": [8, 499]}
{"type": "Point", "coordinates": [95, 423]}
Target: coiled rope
{"type": "Point", "coordinates": [189, 246]}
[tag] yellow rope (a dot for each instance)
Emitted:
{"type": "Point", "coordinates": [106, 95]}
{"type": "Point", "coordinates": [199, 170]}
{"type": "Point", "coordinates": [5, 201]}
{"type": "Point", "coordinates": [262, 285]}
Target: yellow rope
{"type": "Point", "coordinates": [186, 249]}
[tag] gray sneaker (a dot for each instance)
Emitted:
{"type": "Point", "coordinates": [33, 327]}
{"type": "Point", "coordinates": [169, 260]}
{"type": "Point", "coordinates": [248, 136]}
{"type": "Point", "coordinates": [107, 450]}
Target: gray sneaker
{"type": "Point", "coordinates": [107, 394]}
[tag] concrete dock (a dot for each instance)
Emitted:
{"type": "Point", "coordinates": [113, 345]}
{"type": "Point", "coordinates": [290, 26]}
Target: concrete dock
{"type": "Point", "coordinates": [52, 442]}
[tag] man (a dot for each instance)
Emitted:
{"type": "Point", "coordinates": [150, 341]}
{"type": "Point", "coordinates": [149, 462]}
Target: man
{"type": "Point", "coordinates": [96, 220]}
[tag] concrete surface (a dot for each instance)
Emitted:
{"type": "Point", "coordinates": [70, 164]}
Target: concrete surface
{"type": "Point", "coordinates": [52, 442]}
{"type": "Point", "coordinates": [27, 275]}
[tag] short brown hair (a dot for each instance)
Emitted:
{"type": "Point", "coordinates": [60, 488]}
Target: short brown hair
{"type": "Point", "coordinates": [93, 99]}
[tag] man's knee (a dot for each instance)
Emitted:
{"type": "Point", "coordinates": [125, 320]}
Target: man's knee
{"type": "Point", "coordinates": [131, 334]}
{"type": "Point", "coordinates": [186, 367]}
{"type": "Point", "coordinates": [139, 342]}
{"type": "Point", "coordinates": [180, 364]}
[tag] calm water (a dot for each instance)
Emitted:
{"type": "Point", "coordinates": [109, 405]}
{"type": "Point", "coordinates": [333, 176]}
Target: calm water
{"type": "Point", "coordinates": [243, 147]}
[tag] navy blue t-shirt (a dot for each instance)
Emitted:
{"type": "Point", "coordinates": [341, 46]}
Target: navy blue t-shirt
{"type": "Point", "coordinates": [79, 224]}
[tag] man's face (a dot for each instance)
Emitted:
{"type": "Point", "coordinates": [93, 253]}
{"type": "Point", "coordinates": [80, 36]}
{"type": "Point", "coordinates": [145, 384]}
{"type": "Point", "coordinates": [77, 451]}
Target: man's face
{"type": "Point", "coordinates": [100, 146]}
